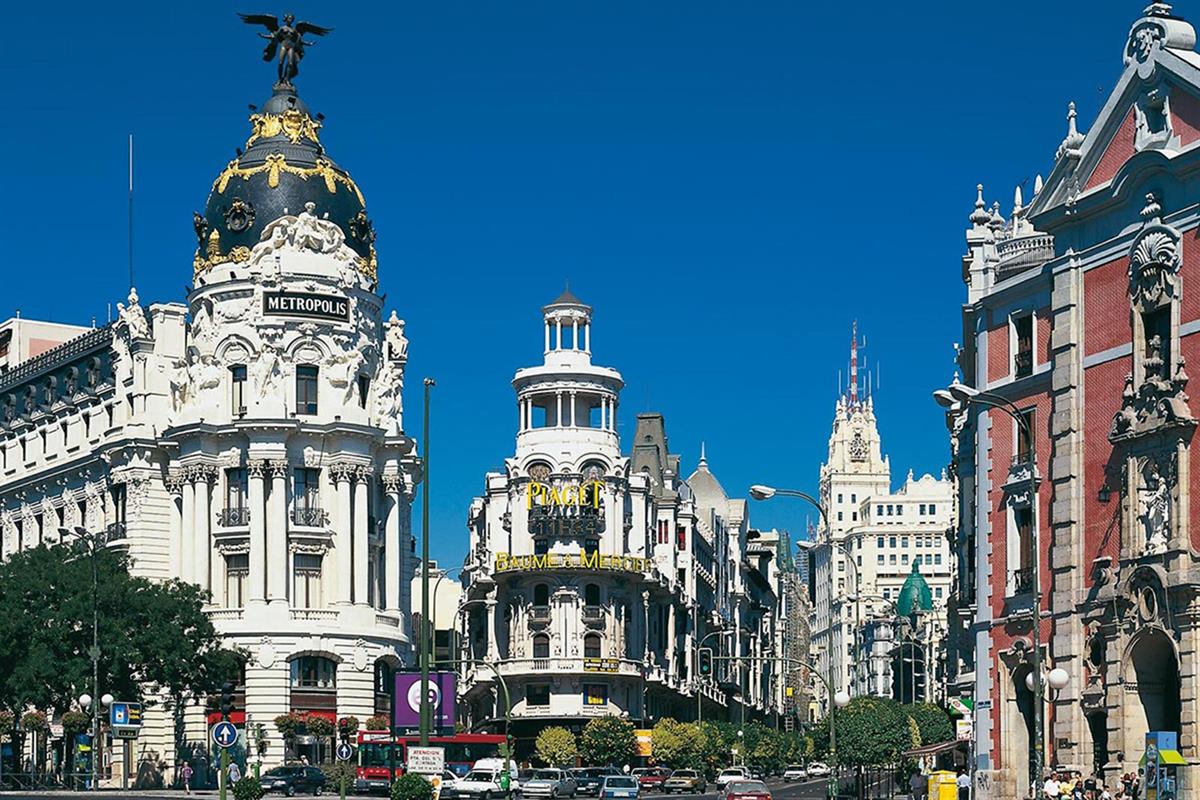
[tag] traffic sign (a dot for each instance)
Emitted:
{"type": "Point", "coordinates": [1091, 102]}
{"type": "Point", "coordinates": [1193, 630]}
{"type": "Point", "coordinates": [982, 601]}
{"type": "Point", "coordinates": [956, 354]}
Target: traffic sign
{"type": "Point", "coordinates": [224, 734]}
{"type": "Point", "coordinates": [126, 732]}
{"type": "Point", "coordinates": [963, 729]}
{"type": "Point", "coordinates": [121, 714]}
{"type": "Point", "coordinates": [344, 752]}
{"type": "Point", "coordinates": [426, 760]}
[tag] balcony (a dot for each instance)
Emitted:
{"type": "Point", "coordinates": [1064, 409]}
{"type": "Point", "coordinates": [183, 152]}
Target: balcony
{"type": "Point", "coordinates": [1023, 363]}
{"type": "Point", "coordinates": [323, 615]}
{"type": "Point", "coordinates": [233, 517]}
{"type": "Point", "coordinates": [115, 532]}
{"type": "Point", "coordinates": [224, 614]}
{"type": "Point", "coordinates": [1021, 471]}
{"type": "Point", "coordinates": [310, 517]}
{"type": "Point", "coordinates": [593, 614]}
{"type": "Point", "coordinates": [539, 615]}
{"type": "Point", "coordinates": [1022, 581]}
{"type": "Point", "coordinates": [591, 666]}
{"type": "Point", "coordinates": [1022, 252]}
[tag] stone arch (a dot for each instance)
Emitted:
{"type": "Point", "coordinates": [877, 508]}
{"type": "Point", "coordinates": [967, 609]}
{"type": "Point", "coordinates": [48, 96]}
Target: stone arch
{"type": "Point", "coordinates": [226, 350]}
{"type": "Point", "coordinates": [1150, 669]}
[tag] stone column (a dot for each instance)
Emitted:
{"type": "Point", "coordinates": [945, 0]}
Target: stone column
{"type": "Point", "coordinates": [342, 473]}
{"type": "Point", "coordinates": [393, 556]}
{"type": "Point", "coordinates": [573, 420]}
{"type": "Point", "coordinates": [493, 651]}
{"type": "Point", "coordinates": [558, 420]}
{"type": "Point", "coordinates": [558, 334]}
{"type": "Point", "coordinates": [201, 525]}
{"type": "Point", "coordinates": [587, 337]}
{"type": "Point", "coordinates": [646, 627]}
{"type": "Point", "coordinates": [257, 580]}
{"type": "Point", "coordinates": [362, 535]}
{"type": "Point", "coordinates": [1188, 620]}
{"type": "Point", "coordinates": [575, 334]}
{"type": "Point", "coordinates": [175, 557]}
{"type": "Point", "coordinates": [277, 528]}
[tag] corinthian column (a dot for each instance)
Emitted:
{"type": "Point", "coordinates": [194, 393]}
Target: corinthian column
{"type": "Point", "coordinates": [202, 477]}
{"type": "Point", "coordinates": [393, 557]}
{"type": "Point", "coordinates": [342, 473]}
{"type": "Point", "coordinates": [258, 531]}
{"type": "Point", "coordinates": [187, 522]}
{"type": "Point", "coordinates": [362, 535]}
{"type": "Point", "coordinates": [277, 527]}
{"type": "Point", "coordinates": [175, 557]}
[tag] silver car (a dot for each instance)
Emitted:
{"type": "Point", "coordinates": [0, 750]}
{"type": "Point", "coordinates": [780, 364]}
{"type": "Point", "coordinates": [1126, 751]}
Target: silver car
{"type": "Point", "coordinates": [549, 783]}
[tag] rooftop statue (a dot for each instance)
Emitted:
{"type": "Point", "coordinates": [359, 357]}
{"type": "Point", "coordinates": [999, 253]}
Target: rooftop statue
{"type": "Point", "coordinates": [286, 39]}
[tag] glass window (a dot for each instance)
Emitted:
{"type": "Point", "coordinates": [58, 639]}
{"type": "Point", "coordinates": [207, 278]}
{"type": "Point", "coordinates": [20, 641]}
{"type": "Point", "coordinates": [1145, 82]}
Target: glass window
{"type": "Point", "coordinates": [853, 498]}
{"type": "Point", "coordinates": [892, 559]}
{"type": "Point", "coordinates": [595, 694]}
{"type": "Point", "coordinates": [307, 488]}
{"type": "Point", "coordinates": [887, 594]}
{"type": "Point", "coordinates": [880, 558]}
{"type": "Point", "coordinates": [306, 580]}
{"type": "Point", "coordinates": [854, 516]}
{"type": "Point", "coordinates": [591, 646]}
{"type": "Point", "coordinates": [541, 646]}
{"type": "Point", "coordinates": [938, 593]}
{"type": "Point", "coordinates": [364, 389]}
{"type": "Point", "coordinates": [937, 559]}
{"type": "Point", "coordinates": [237, 389]}
{"type": "Point", "coordinates": [892, 542]}
{"type": "Point", "coordinates": [538, 695]}
{"type": "Point", "coordinates": [306, 389]}
{"type": "Point", "coordinates": [932, 508]}
{"type": "Point", "coordinates": [237, 567]}
{"type": "Point", "coordinates": [904, 558]}
{"type": "Point", "coordinates": [839, 516]}
{"type": "Point", "coordinates": [879, 511]}
{"type": "Point", "coordinates": [313, 672]}
{"type": "Point", "coordinates": [921, 510]}
{"type": "Point", "coordinates": [591, 594]}
{"type": "Point", "coordinates": [879, 541]}
{"type": "Point", "coordinates": [904, 542]}
{"type": "Point", "coordinates": [235, 488]}
{"type": "Point", "coordinates": [541, 595]}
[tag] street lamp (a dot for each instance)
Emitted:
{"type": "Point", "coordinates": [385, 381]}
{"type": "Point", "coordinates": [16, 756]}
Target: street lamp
{"type": "Point", "coordinates": [958, 396]}
{"type": "Point", "coordinates": [426, 711]}
{"type": "Point", "coordinates": [93, 541]}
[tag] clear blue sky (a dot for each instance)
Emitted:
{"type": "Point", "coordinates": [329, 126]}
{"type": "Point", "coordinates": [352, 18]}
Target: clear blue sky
{"type": "Point", "coordinates": [729, 184]}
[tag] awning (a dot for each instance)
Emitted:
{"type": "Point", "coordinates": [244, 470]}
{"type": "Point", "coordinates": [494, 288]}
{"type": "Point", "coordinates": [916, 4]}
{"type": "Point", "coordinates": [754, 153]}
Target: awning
{"type": "Point", "coordinates": [1169, 757]}
{"type": "Point", "coordinates": [933, 749]}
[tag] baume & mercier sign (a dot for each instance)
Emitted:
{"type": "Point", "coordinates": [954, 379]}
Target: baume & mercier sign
{"type": "Point", "coordinates": [584, 560]}
{"type": "Point", "coordinates": [303, 304]}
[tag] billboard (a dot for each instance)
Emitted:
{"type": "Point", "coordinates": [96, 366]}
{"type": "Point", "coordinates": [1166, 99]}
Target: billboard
{"type": "Point", "coordinates": [407, 705]}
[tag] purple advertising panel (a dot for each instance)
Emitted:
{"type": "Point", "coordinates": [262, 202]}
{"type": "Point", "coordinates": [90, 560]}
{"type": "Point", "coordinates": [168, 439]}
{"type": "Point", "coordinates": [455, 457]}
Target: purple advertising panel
{"type": "Point", "coordinates": [407, 706]}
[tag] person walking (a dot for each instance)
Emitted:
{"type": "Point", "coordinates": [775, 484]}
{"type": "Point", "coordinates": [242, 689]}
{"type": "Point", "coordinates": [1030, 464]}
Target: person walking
{"type": "Point", "coordinates": [186, 774]}
{"type": "Point", "coordinates": [964, 785]}
{"type": "Point", "coordinates": [235, 773]}
{"type": "Point", "coordinates": [1051, 789]}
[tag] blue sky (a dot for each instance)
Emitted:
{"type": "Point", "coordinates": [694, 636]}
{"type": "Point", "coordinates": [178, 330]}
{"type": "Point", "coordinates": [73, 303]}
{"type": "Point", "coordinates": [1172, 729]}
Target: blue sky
{"type": "Point", "coordinates": [729, 184]}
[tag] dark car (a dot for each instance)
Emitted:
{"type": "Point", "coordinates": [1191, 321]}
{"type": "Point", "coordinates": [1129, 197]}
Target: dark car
{"type": "Point", "coordinates": [588, 779]}
{"type": "Point", "coordinates": [293, 780]}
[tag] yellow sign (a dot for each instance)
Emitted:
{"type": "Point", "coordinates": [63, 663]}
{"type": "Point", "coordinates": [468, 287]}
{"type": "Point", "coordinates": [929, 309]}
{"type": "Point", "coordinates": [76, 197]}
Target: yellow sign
{"type": "Point", "coordinates": [601, 665]}
{"type": "Point", "coordinates": [585, 560]}
{"type": "Point", "coordinates": [645, 742]}
{"type": "Point", "coordinates": [585, 494]}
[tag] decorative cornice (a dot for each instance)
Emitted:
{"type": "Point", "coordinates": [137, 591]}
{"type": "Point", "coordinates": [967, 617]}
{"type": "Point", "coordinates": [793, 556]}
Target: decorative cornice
{"type": "Point", "coordinates": [342, 471]}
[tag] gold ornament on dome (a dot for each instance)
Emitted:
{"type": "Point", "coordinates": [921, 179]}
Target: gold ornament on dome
{"type": "Point", "coordinates": [213, 255]}
{"type": "Point", "coordinates": [277, 163]}
{"type": "Point", "coordinates": [369, 265]}
{"type": "Point", "coordinates": [291, 123]}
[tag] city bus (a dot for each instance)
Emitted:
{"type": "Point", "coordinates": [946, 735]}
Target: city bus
{"type": "Point", "coordinates": [382, 756]}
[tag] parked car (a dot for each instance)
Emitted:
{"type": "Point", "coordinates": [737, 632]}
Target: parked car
{"type": "Point", "coordinates": [589, 779]}
{"type": "Point", "coordinates": [651, 778]}
{"type": "Point", "coordinates": [758, 773]}
{"type": "Point", "coordinates": [732, 774]}
{"type": "Point", "coordinates": [685, 780]}
{"type": "Point", "coordinates": [620, 786]}
{"type": "Point", "coordinates": [447, 790]}
{"type": "Point", "coordinates": [549, 783]}
{"type": "Point", "coordinates": [479, 784]}
{"type": "Point", "coordinates": [818, 770]}
{"type": "Point", "coordinates": [746, 790]}
{"type": "Point", "coordinates": [292, 780]}
{"type": "Point", "coordinates": [795, 772]}
{"type": "Point", "coordinates": [522, 777]}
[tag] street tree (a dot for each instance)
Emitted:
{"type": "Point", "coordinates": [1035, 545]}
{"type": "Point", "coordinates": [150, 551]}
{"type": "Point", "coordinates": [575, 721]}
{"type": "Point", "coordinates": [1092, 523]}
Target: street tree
{"type": "Point", "coordinates": [932, 721]}
{"type": "Point", "coordinates": [608, 741]}
{"type": "Point", "coordinates": [556, 747]}
{"type": "Point", "coordinates": [678, 745]}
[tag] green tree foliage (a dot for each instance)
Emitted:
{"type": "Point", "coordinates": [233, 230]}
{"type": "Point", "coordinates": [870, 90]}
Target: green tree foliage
{"type": "Point", "coordinates": [608, 741]}
{"type": "Point", "coordinates": [932, 721]}
{"type": "Point", "coordinates": [871, 732]}
{"type": "Point", "coordinates": [411, 786]}
{"type": "Point", "coordinates": [154, 637]}
{"type": "Point", "coordinates": [556, 747]}
{"type": "Point", "coordinates": [247, 788]}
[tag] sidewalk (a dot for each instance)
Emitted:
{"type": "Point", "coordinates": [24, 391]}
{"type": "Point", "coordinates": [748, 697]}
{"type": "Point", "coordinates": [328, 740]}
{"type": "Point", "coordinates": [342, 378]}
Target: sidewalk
{"type": "Point", "coordinates": [173, 794]}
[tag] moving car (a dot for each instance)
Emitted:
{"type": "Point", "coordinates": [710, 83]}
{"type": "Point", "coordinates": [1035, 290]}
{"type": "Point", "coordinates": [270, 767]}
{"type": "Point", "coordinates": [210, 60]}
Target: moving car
{"type": "Point", "coordinates": [818, 770]}
{"type": "Point", "coordinates": [651, 778]}
{"type": "Point", "coordinates": [685, 780]}
{"type": "Point", "coordinates": [292, 780]}
{"type": "Point", "coordinates": [549, 783]}
{"type": "Point", "coordinates": [795, 772]}
{"type": "Point", "coordinates": [758, 773]}
{"type": "Point", "coordinates": [589, 779]}
{"type": "Point", "coordinates": [746, 790]}
{"type": "Point", "coordinates": [479, 784]}
{"type": "Point", "coordinates": [449, 781]}
{"type": "Point", "coordinates": [732, 774]}
{"type": "Point", "coordinates": [620, 786]}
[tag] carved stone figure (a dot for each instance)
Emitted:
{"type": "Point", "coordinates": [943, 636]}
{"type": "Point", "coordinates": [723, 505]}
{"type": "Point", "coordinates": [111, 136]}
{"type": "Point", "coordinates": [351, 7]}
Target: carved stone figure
{"type": "Point", "coordinates": [342, 372]}
{"type": "Point", "coordinates": [389, 400]}
{"type": "Point", "coordinates": [180, 384]}
{"type": "Point", "coordinates": [268, 370]}
{"type": "Point", "coordinates": [397, 342]}
{"type": "Point", "coordinates": [72, 383]}
{"type": "Point", "coordinates": [1154, 511]}
{"type": "Point", "coordinates": [200, 224]}
{"type": "Point", "coordinates": [132, 318]}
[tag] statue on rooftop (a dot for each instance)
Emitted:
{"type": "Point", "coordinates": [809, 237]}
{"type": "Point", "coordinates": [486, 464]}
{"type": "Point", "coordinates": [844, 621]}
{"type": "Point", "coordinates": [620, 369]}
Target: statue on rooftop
{"type": "Point", "coordinates": [287, 40]}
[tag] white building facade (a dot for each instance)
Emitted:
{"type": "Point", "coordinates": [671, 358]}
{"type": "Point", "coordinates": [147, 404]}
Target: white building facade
{"type": "Point", "coordinates": [248, 440]}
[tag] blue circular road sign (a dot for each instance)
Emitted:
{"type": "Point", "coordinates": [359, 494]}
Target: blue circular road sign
{"type": "Point", "coordinates": [344, 752]}
{"type": "Point", "coordinates": [224, 734]}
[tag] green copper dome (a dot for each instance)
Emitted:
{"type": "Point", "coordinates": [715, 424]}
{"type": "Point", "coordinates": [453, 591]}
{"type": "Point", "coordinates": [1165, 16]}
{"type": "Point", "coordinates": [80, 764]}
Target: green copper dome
{"type": "Point", "coordinates": [915, 595]}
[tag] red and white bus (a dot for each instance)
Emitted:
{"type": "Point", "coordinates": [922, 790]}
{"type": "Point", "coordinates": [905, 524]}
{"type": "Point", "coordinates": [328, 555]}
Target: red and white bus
{"type": "Point", "coordinates": [382, 756]}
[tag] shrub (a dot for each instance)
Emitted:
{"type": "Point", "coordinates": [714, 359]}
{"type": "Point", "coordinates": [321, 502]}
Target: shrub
{"type": "Point", "coordinates": [379, 722]}
{"type": "Point", "coordinates": [411, 786]}
{"type": "Point", "coordinates": [318, 726]}
{"type": "Point", "coordinates": [335, 772]}
{"type": "Point", "coordinates": [34, 722]}
{"type": "Point", "coordinates": [75, 722]}
{"type": "Point", "coordinates": [247, 789]}
{"type": "Point", "coordinates": [347, 725]}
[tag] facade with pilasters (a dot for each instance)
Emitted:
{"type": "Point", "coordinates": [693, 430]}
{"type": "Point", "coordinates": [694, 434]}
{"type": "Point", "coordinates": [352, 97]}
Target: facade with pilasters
{"type": "Point", "coordinates": [248, 440]}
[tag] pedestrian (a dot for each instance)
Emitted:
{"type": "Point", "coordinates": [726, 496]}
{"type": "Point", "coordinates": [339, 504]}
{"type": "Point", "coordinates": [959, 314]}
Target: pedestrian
{"type": "Point", "coordinates": [235, 773]}
{"type": "Point", "coordinates": [964, 785]}
{"type": "Point", "coordinates": [1104, 793]}
{"type": "Point", "coordinates": [186, 774]}
{"type": "Point", "coordinates": [1050, 789]}
{"type": "Point", "coordinates": [304, 760]}
{"type": "Point", "coordinates": [918, 785]}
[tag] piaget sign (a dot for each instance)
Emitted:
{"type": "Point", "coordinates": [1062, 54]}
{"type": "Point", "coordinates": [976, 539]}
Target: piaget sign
{"type": "Point", "coordinates": [584, 560]}
{"type": "Point", "coordinates": [583, 495]}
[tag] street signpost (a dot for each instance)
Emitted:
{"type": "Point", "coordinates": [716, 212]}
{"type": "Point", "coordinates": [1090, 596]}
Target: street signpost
{"type": "Point", "coordinates": [344, 752]}
{"type": "Point", "coordinates": [224, 734]}
{"type": "Point", "coordinates": [426, 760]}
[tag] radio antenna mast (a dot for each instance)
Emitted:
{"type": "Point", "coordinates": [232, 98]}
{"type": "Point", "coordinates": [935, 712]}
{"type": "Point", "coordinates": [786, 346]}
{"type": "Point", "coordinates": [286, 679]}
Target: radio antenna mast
{"type": "Point", "coordinates": [131, 210]}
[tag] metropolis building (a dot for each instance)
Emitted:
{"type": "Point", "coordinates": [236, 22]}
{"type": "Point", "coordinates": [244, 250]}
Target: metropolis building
{"type": "Point", "coordinates": [248, 439]}
{"type": "Point", "coordinates": [593, 576]}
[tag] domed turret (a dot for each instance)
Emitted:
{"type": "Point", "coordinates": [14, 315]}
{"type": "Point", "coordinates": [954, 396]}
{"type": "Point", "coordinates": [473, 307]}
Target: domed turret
{"type": "Point", "coordinates": [915, 595]}
{"type": "Point", "coordinates": [284, 169]}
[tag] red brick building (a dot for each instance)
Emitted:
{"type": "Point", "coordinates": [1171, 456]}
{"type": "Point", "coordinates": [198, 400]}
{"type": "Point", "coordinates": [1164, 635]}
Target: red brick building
{"type": "Point", "coordinates": [1083, 310]}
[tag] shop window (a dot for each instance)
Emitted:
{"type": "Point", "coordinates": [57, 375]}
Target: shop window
{"type": "Point", "coordinates": [595, 694]}
{"type": "Point", "coordinates": [537, 694]}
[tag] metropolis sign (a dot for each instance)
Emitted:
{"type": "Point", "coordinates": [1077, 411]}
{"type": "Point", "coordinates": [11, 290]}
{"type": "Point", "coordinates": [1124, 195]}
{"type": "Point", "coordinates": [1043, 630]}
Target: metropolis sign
{"type": "Point", "coordinates": [303, 304]}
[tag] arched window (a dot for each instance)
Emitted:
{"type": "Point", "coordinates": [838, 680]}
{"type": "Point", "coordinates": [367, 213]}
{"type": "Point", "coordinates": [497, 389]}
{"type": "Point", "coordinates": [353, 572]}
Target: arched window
{"type": "Point", "coordinates": [541, 646]}
{"type": "Point", "coordinates": [591, 645]}
{"type": "Point", "coordinates": [541, 595]}
{"type": "Point", "coordinates": [591, 594]}
{"type": "Point", "coordinates": [313, 672]}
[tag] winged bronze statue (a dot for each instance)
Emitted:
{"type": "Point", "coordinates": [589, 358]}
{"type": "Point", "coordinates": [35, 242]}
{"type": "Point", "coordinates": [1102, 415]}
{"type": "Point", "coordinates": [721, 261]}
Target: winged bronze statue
{"type": "Point", "coordinates": [287, 40]}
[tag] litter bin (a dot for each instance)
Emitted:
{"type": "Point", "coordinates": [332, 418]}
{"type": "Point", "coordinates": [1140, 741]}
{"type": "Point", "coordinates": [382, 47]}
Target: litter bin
{"type": "Point", "coordinates": [943, 785]}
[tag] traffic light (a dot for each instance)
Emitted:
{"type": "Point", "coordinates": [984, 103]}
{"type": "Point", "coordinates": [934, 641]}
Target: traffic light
{"type": "Point", "coordinates": [706, 659]}
{"type": "Point", "coordinates": [226, 699]}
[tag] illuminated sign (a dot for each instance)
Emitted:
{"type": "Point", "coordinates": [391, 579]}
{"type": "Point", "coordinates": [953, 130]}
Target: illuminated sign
{"type": "Point", "coordinates": [566, 510]}
{"type": "Point", "coordinates": [568, 496]}
{"type": "Point", "coordinates": [601, 665]}
{"type": "Point", "coordinates": [595, 694]}
{"type": "Point", "coordinates": [584, 560]}
{"type": "Point", "coordinates": [303, 304]}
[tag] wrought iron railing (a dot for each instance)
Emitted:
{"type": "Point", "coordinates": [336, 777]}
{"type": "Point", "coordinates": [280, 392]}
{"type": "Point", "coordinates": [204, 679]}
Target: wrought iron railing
{"type": "Point", "coordinates": [310, 517]}
{"type": "Point", "coordinates": [115, 532]}
{"type": "Point", "coordinates": [233, 517]}
{"type": "Point", "coordinates": [1022, 580]}
{"type": "Point", "coordinates": [593, 613]}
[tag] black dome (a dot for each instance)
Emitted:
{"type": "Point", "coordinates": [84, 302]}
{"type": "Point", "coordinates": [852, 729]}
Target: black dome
{"type": "Point", "coordinates": [284, 167]}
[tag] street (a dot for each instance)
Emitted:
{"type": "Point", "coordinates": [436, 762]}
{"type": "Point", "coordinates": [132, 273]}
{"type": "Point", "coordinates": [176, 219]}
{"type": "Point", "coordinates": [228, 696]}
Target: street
{"type": "Point", "coordinates": [797, 790]}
